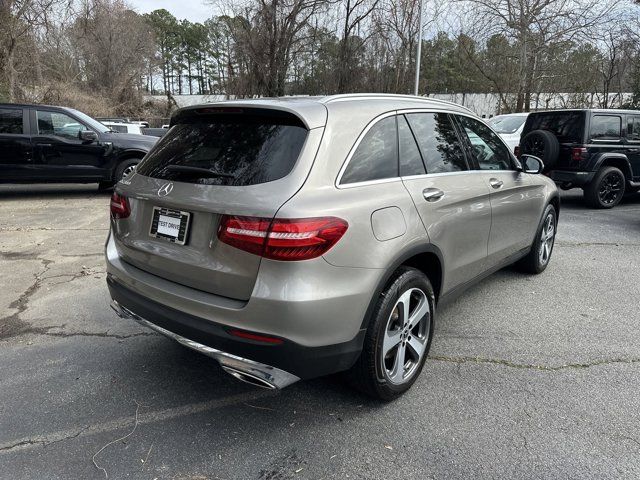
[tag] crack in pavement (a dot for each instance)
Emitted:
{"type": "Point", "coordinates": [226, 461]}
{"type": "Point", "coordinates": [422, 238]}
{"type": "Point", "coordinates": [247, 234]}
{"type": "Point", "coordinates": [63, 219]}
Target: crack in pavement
{"type": "Point", "coordinates": [125, 422]}
{"type": "Point", "coordinates": [548, 368]}
{"type": "Point", "coordinates": [13, 326]}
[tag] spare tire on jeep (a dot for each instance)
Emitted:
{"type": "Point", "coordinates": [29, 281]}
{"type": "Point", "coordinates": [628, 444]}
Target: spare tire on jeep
{"type": "Point", "coordinates": [544, 145]}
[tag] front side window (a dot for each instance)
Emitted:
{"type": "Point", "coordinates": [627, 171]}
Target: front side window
{"type": "Point", "coordinates": [58, 124]}
{"type": "Point", "coordinates": [488, 150]}
{"type": "Point", "coordinates": [634, 129]}
{"type": "Point", "coordinates": [376, 157]}
{"type": "Point", "coordinates": [11, 121]}
{"type": "Point", "coordinates": [440, 146]}
{"type": "Point", "coordinates": [605, 127]}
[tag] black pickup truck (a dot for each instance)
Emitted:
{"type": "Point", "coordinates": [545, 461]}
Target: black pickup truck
{"type": "Point", "coordinates": [45, 144]}
{"type": "Point", "coordinates": [596, 150]}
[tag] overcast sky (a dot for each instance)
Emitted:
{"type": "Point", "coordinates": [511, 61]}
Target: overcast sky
{"type": "Point", "coordinates": [193, 10]}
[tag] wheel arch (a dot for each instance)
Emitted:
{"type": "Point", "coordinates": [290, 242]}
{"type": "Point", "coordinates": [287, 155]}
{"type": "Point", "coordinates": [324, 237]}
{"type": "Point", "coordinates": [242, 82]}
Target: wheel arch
{"type": "Point", "coordinates": [617, 160]}
{"type": "Point", "coordinates": [426, 258]}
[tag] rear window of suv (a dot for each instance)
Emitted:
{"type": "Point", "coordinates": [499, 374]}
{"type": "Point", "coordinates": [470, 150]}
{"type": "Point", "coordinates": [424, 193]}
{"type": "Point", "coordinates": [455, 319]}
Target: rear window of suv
{"type": "Point", "coordinates": [241, 149]}
{"type": "Point", "coordinates": [567, 126]}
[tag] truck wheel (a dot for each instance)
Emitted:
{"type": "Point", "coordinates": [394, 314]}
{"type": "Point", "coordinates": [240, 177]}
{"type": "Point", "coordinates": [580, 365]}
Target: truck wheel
{"type": "Point", "coordinates": [398, 338]}
{"type": "Point", "coordinates": [606, 189]}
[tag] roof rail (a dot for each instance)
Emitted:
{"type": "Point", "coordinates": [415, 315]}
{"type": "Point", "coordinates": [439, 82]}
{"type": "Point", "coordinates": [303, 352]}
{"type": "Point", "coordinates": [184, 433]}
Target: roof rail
{"type": "Point", "coordinates": [364, 96]}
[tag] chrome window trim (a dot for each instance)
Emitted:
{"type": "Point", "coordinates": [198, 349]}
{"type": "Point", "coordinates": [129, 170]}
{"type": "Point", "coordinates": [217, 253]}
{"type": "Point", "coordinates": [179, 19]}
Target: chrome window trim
{"type": "Point", "coordinates": [353, 151]}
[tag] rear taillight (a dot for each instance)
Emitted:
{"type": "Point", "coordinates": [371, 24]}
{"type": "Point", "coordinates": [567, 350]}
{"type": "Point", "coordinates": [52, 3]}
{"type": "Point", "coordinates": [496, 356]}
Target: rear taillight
{"type": "Point", "coordinates": [516, 151]}
{"type": "Point", "coordinates": [282, 239]}
{"type": "Point", "coordinates": [119, 206]}
{"type": "Point", "coordinates": [578, 154]}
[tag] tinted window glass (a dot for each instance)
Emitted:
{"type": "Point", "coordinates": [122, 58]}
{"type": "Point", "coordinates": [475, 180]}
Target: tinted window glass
{"type": "Point", "coordinates": [59, 124]}
{"type": "Point", "coordinates": [634, 128]}
{"type": "Point", "coordinates": [118, 128]}
{"type": "Point", "coordinates": [605, 127]}
{"type": "Point", "coordinates": [568, 127]}
{"type": "Point", "coordinates": [438, 141]}
{"type": "Point", "coordinates": [243, 150]}
{"type": "Point", "coordinates": [410, 159]}
{"type": "Point", "coordinates": [376, 157]}
{"type": "Point", "coordinates": [11, 120]}
{"type": "Point", "coordinates": [487, 148]}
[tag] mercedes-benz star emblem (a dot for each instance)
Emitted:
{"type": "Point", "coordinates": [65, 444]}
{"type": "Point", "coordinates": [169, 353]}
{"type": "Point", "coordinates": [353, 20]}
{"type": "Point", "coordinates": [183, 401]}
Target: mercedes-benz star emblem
{"type": "Point", "coordinates": [165, 189]}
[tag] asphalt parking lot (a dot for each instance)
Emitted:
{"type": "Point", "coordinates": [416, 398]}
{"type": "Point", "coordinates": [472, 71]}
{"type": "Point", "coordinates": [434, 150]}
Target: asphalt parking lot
{"type": "Point", "coordinates": [530, 377]}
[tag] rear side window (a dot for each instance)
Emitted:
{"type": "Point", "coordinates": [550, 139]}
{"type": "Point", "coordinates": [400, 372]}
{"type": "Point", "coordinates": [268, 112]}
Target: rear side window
{"type": "Point", "coordinates": [226, 150]}
{"type": "Point", "coordinates": [118, 128]}
{"type": "Point", "coordinates": [439, 143]}
{"type": "Point", "coordinates": [606, 127]}
{"type": "Point", "coordinates": [634, 129]}
{"type": "Point", "coordinates": [11, 121]}
{"type": "Point", "coordinates": [376, 156]}
{"type": "Point", "coordinates": [567, 126]}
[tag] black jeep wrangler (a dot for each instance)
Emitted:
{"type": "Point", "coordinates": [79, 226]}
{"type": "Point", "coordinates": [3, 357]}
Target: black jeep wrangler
{"type": "Point", "coordinates": [596, 150]}
{"type": "Point", "coordinates": [39, 144]}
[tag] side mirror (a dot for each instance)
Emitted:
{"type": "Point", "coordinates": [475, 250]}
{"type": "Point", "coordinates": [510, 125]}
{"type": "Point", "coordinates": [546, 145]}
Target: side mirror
{"type": "Point", "coordinates": [531, 164]}
{"type": "Point", "coordinates": [88, 136]}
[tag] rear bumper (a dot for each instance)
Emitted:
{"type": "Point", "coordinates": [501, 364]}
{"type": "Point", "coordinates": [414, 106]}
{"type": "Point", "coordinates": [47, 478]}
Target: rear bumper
{"type": "Point", "coordinates": [568, 178]}
{"type": "Point", "coordinates": [275, 365]}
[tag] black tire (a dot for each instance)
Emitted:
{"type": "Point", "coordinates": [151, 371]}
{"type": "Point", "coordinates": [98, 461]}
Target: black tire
{"type": "Point", "coordinates": [369, 374]}
{"type": "Point", "coordinates": [125, 167]}
{"type": "Point", "coordinates": [537, 260]}
{"type": "Point", "coordinates": [606, 189]}
{"type": "Point", "coordinates": [544, 145]}
{"type": "Point", "coordinates": [104, 186]}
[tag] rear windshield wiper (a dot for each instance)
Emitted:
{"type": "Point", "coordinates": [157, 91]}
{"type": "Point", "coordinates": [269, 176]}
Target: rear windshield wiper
{"type": "Point", "coordinates": [197, 171]}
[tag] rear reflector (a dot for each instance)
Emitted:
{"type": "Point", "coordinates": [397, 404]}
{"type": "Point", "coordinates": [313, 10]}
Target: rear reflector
{"type": "Point", "coordinates": [256, 337]}
{"type": "Point", "coordinates": [119, 206]}
{"type": "Point", "coordinates": [282, 239]}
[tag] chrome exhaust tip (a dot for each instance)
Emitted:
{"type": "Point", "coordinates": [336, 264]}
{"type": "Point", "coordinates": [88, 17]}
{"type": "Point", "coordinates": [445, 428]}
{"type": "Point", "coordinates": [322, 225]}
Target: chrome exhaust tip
{"type": "Point", "coordinates": [248, 378]}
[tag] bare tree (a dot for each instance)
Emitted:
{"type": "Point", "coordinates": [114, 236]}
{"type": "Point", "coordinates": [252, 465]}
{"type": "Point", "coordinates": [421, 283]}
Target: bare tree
{"type": "Point", "coordinates": [534, 25]}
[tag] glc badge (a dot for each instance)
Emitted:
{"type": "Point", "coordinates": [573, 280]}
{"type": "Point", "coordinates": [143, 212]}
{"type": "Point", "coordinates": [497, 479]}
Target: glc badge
{"type": "Point", "coordinates": [165, 189]}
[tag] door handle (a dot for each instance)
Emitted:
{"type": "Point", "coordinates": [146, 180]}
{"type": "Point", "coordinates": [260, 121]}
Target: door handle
{"type": "Point", "coordinates": [495, 183]}
{"type": "Point", "coordinates": [44, 144]}
{"type": "Point", "coordinates": [432, 194]}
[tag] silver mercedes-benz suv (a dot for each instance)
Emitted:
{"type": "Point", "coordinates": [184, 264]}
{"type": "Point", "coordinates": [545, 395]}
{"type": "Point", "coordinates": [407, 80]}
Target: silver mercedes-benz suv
{"type": "Point", "coordinates": [297, 237]}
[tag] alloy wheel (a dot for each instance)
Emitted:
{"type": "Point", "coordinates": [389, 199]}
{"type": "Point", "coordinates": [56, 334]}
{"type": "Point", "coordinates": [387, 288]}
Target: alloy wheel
{"type": "Point", "coordinates": [547, 237]}
{"type": "Point", "coordinates": [406, 336]}
{"type": "Point", "coordinates": [611, 188]}
{"type": "Point", "coordinates": [128, 171]}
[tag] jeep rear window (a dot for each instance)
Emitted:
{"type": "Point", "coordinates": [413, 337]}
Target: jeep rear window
{"type": "Point", "coordinates": [568, 127]}
{"type": "Point", "coordinates": [226, 149]}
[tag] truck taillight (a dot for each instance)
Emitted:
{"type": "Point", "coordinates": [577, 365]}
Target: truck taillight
{"type": "Point", "coordinates": [288, 239]}
{"type": "Point", "coordinates": [578, 154]}
{"type": "Point", "coordinates": [119, 206]}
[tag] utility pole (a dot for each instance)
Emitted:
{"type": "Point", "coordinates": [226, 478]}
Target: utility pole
{"type": "Point", "coordinates": [419, 49]}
